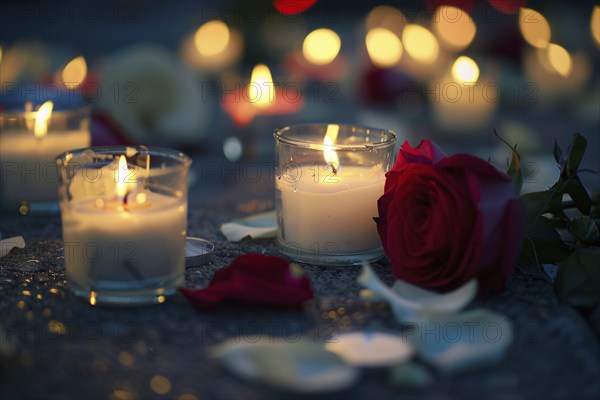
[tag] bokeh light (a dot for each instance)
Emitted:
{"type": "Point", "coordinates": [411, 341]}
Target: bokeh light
{"type": "Point", "coordinates": [420, 43]}
{"type": "Point", "coordinates": [534, 27]}
{"type": "Point", "coordinates": [465, 70]}
{"type": "Point", "coordinates": [387, 17]}
{"type": "Point", "coordinates": [454, 27]}
{"type": "Point", "coordinates": [74, 72]}
{"type": "Point", "coordinates": [212, 38]}
{"type": "Point", "coordinates": [559, 59]}
{"type": "Point", "coordinates": [595, 24]}
{"type": "Point", "coordinates": [321, 46]}
{"type": "Point", "coordinates": [384, 47]}
{"type": "Point", "coordinates": [233, 148]}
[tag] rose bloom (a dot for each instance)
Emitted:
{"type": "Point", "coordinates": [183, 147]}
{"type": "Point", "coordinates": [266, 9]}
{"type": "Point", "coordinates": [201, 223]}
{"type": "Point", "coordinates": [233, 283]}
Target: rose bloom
{"type": "Point", "coordinates": [445, 220]}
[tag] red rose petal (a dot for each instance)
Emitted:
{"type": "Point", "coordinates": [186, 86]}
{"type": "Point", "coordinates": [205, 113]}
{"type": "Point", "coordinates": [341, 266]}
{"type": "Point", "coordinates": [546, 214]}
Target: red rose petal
{"type": "Point", "coordinates": [254, 278]}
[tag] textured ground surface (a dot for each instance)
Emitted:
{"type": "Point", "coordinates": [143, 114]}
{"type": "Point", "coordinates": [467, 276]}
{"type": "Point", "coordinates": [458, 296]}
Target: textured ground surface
{"type": "Point", "coordinates": [64, 348]}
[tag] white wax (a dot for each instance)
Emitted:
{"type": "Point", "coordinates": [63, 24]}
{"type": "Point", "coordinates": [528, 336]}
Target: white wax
{"type": "Point", "coordinates": [326, 213]}
{"type": "Point", "coordinates": [112, 248]}
{"type": "Point", "coordinates": [27, 166]}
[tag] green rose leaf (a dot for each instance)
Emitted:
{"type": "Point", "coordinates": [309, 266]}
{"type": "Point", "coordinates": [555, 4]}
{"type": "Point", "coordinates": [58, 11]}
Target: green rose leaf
{"type": "Point", "coordinates": [575, 153]}
{"type": "Point", "coordinates": [557, 152]}
{"type": "Point", "coordinates": [528, 261]}
{"type": "Point", "coordinates": [549, 246]}
{"type": "Point", "coordinates": [538, 203]}
{"type": "Point", "coordinates": [584, 229]}
{"type": "Point", "coordinates": [579, 194]}
{"type": "Point", "coordinates": [578, 278]}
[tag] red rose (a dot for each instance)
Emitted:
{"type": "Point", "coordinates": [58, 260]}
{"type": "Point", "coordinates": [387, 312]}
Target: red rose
{"type": "Point", "coordinates": [444, 220]}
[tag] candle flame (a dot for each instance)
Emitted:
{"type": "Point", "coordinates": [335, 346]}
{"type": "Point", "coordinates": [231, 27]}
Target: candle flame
{"type": "Point", "coordinates": [454, 27]}
{"type": "Point", "coordinates": [121, 176]}
{"type": "Point", "coordinates": [321, 46]}
{"type": "Point", "coordinates": [329, 154]}
{"type": "Point", "coordinates": [212, 38]}
{"type": "Point", "coordinates": [74, 72]}
{"type": "Point", "coordinates": [560, 59]}
{"type": "Point", "coordinates": [534, 27]}
{"type": "Point", "coordinates": [384, 47]}
{"type": "Point", "coordinates": [261, 90]}
{"type": "Point", "coordinates": [40, 129]}
{"type": "Point", "coordinates": [465, 70]}
{"type": "Point", "coordinates": [420, 43]}
{"type": "Point", "coordinates": [595, 24]}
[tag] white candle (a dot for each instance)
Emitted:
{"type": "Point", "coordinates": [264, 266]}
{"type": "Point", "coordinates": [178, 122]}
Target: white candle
{"type": "Point", "coordinates": [322, 212]}
{"type": "Point", "coordinates": [29, 143]}
{"type": "Point", "coordinates": [29, 169]}
{"type": "Point", "coordinates": [111, 247]}
{"type": "Point", "coordinates": [124, 225]}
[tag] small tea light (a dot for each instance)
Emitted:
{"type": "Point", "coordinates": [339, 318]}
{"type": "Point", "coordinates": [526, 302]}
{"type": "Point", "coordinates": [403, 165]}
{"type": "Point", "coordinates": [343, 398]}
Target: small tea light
{"type": "Point", "coordinates": [29, 142]}
{"type": "Point", "coordinates": [328, 182]}
{"type": "Point", "coordinates": [124, 213]}
{"type": "Point", "coordinates": [260, 97]}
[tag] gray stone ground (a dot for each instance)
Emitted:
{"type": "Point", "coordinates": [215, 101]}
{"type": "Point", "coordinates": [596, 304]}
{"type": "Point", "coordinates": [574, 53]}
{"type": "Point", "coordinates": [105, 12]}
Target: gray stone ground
{"type": "Point", "coordinates": [64, 348]}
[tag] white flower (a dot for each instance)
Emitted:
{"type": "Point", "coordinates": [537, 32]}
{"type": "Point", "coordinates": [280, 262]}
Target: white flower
{"type": "Point", "coordinates": [153, 97]}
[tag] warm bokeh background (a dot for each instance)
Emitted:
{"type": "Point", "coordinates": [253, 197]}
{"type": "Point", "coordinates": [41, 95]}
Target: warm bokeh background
{"type": "Point", "coordinates": [176, 73]}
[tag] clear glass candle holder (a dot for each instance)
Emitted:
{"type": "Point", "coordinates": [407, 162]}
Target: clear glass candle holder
{"type": "Point", "coordinates": [29, 143]}
{"type": "Point", "coordinates": [329, 178]}
{"type": "Point", "coordinates": [124, 216]}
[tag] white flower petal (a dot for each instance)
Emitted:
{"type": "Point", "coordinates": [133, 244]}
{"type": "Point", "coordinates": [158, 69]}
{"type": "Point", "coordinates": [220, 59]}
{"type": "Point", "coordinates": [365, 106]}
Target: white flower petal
{"type": "Point", "coordinates": [258, 226]}
{"type": "Point", "coordinates": [450, 301]}
{"type": "Point", "coordinates": [301, 366]}
{"type": "Point", "coordinates": [153, 97]}
{"type": "Point", "coordinates": [370, 349]}
{"type": "Point", "coordinates": [410, 375]}
{"type": "Point", "coordinates": [406, 299]}
{"type": "Point", "coordinates": [6, 245]}
{"type": "Point", "coordinates": [455, 342]}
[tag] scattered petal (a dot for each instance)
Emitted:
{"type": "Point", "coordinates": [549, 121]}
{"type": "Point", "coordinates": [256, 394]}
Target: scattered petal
{"type": "Point", "coordinates": [255, 278]}
{"type": "Point", "coordinates": [6, 245]}
{"type": "Point", "coordinates": [455, 342]}
{"type": "Point", "coordinates": [406, 299]}
{"type": "Point", "coordinates": [258, 226]}
{"type": "Point", "coordinates": [301, 366]}
{"type": "Point", "coordinates": [410, 375]}
{"type": "Point", "coordinates": [370, 349]}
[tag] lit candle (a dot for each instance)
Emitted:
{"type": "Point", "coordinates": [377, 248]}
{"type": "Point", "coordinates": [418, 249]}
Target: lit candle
{"type": "Point", "coordinates": [124, 224]}
{"type": "Point", "coordinates": [327, 192]}
{"type": "Point", "coordinates": [29, 142]}
{"type": "Point", "coordinates": [319, 58]}
{"type": "Point", "coordinates": [213, 47]}
{"type": "Point", "coordinates": [260, 97]}
{"type": "Point", "coordinates": [463, 102]}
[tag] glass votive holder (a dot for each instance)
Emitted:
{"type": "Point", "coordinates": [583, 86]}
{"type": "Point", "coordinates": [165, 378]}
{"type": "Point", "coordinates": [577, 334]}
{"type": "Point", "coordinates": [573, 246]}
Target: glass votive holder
{"type": "Point", "coordinates": [29, 143]}
{"type": "Point", "coordinates": [124, 218]}
{"type": "Point", "coordinates": [329, 178]}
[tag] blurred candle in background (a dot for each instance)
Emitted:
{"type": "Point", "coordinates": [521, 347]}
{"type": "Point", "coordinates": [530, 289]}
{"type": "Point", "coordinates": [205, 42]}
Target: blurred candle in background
{"type": "Point", "coordinates": [259, 97]}
{"type": "Point", "coordinates": [29, 142]}
{"type": "Point", "coordinates": [319, 57]}
{"type": "Point", "coordinates": [460, 100]}
{"type": "Point", "coordinates": [213, 47]}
